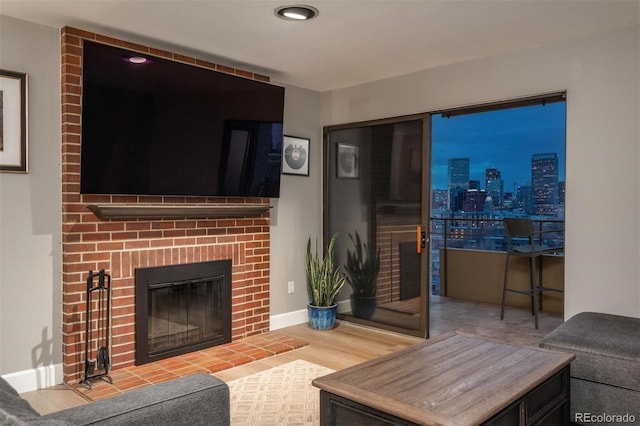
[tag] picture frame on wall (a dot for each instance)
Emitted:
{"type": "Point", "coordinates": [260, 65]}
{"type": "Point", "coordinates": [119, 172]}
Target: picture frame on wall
{"type": "Point", "coordinates": [13, 122]}
{"type": "Point", "coordinates": [347, 161]}
{"type": "Point", "coordinates": [295, 155]}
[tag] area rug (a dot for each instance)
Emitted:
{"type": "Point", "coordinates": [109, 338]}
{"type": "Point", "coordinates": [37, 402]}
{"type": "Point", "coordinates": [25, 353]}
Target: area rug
{"type": "Point", "coordinates": [281, 395]}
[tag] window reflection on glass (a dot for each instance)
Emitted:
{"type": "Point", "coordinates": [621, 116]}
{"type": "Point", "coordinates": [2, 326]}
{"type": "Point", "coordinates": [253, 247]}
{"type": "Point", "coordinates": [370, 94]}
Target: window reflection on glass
{"type": "Point", "coordinates": [375, 192]}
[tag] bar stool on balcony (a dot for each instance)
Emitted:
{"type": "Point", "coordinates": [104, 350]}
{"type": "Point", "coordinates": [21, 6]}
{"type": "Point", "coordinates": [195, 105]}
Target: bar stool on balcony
{"type": "Point", "coordinates": [533, 248]}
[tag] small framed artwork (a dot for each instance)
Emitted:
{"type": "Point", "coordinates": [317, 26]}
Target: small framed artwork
{"type": "Point", "coordinates": [13, 122]}
{"type": "Point", "coordinates": [348, 161]}
{"type": "Point", "coordinates": [295, 154]}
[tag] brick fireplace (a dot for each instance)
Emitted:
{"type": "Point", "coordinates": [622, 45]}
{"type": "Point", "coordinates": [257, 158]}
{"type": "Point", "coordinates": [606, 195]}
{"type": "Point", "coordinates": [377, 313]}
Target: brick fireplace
{"type": "Point", "coordinates": [121, 245]}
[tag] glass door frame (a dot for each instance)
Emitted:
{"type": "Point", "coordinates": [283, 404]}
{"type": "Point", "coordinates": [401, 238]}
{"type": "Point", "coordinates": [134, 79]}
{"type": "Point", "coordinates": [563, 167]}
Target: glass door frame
{"type": "Point", "coordinates": [425, 208]}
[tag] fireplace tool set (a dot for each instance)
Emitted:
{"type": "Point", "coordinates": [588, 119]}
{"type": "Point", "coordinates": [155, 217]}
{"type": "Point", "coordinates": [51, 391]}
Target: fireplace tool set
{"type": "Point", "coordinates": [96, 351]}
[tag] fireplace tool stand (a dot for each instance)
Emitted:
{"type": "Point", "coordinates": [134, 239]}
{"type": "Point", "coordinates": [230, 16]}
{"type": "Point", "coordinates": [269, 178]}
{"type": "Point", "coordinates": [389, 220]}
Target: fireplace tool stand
{"type": "Point", "coordinates": [96, 351]}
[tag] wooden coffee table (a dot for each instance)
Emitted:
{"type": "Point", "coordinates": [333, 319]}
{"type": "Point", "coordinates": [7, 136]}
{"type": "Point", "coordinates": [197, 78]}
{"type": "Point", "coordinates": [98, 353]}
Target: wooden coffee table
{"type": "Point", "coordinates": [452, 379]}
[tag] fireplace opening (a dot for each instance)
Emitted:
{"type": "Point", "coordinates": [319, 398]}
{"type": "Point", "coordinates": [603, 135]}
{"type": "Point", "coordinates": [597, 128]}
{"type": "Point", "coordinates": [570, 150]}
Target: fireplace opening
{"type": "Point", "coordinates": [182, 308]}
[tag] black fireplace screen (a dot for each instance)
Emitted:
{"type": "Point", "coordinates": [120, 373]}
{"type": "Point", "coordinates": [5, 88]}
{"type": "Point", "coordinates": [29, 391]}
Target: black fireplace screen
{"type": "Point", "coordinates": [182, 308]}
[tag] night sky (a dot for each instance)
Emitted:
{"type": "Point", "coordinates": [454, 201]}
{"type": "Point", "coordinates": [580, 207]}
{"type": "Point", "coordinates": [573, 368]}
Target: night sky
{"type": "Point", "coordinates": [504, 139]}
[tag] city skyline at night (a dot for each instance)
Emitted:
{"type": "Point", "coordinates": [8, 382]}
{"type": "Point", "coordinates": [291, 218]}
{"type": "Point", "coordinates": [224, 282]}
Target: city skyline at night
{"type": "Point", "coordinates": [505, 140]}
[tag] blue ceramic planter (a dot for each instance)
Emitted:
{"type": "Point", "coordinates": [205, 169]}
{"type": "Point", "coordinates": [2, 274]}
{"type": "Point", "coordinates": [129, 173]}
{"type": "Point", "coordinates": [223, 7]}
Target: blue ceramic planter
{"type": "Point", "coordinates": [322, 317]}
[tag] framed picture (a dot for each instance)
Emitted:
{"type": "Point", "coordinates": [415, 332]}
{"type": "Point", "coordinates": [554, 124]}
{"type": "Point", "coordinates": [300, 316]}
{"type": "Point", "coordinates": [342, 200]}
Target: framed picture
{"type": "Point", "coordinates": [348, 161]}
{"type": "Point", "coordinates": [13, 122]}
{"type": "Point", "coordinates": [295, 153]}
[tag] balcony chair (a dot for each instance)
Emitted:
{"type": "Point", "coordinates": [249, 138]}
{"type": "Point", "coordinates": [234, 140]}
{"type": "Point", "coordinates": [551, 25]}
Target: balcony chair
{"type": "Point", "coordinates": [534, 248]}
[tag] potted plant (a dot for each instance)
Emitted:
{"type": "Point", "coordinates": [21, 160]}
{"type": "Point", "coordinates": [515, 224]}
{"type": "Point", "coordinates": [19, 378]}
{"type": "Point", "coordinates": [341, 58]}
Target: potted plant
{"type": "Point", "coordinates": [363, 265]}
{"type": "Point", "coordinates": [324, 281]}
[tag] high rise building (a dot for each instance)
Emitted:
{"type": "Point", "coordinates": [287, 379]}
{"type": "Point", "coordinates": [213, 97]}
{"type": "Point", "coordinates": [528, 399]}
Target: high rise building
{"type": "Point", "coordinates": [457, 196]}
{"type": "Point", "coordinates": [458, 175]}
{"type": "Point", "coordinates": [494, 186]}
{"type": "Point", "coordinates": [457, 178]}
{"type": "Point", "coordinates": [439, 198]}
{"type": "Point", "coordinates": [508, 201]}
{"type": "Point", "coordinates": [525, 200]}
{"type": "Point", "coordinates": [474, 200]}
{"type": "Point", "coordinates": [544, 179]}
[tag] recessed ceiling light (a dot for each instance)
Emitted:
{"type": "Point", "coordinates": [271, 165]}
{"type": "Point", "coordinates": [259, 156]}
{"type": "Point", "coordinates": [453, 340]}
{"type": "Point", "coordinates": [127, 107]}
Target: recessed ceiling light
{"type": "Point", "coordinates": [296, 12]}
{"type": "Point", "coordinates": [137, 59]}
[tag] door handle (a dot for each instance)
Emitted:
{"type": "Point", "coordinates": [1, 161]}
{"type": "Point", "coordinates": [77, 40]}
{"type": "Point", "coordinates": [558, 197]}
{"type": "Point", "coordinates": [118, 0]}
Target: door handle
{"type": "Point", "coordinates": [421, 239]}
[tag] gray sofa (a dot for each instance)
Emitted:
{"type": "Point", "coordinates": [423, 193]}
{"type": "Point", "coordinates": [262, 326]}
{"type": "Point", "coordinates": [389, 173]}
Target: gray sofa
{"type": "Point", "coordinates": [198, 399]}
{"type": "Point", "coordinates": [605, 376]}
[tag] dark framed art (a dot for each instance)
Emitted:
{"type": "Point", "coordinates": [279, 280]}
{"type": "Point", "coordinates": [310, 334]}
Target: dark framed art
{"type": "Point", "coordinates": [295, 155]}
{"type": "Point", "coordinates": [13, 122]}
{"type": "Point", "coordinates": [347, 161]}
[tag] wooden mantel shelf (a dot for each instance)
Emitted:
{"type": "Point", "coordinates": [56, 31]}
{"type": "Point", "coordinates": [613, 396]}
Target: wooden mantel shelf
{"type": "Point", "coordinates": [145, 211]}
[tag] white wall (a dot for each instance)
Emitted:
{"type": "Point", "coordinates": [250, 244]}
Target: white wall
{"type": "Point", "coordinates": [297, 214]}
{"type": "Point", "coordinates": [30, 220]}
{"type": "Point", "coordinates": [601, 77]}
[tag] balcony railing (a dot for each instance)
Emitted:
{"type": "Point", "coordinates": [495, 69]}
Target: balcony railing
{"type": "Point", "coordinates": [478, 234]}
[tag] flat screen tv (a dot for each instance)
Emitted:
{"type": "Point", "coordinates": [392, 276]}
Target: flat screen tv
{"type": "Point", "coordinates": [163, 127]}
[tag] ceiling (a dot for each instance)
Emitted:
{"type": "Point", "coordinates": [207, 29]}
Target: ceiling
{"type": "Point", "coordinates": [350, 42]}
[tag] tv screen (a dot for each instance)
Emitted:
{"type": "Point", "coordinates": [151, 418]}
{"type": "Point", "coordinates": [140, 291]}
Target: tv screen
{"type": "Point", "coordinates": [163, 127]}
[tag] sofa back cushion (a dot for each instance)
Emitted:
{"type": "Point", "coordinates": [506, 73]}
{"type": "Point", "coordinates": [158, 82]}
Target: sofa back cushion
{"type": "Point", "coordinates": [15, 411]}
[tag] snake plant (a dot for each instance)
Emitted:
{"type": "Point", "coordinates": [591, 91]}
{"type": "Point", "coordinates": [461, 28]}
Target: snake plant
{"type": "Point", "coordinates": [363, 265]}
{"type": "Point", "coordinates": [324, 279]}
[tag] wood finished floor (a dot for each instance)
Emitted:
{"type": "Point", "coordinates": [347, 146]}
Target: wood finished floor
{"type": "Point", "coordinates": [349, 344]}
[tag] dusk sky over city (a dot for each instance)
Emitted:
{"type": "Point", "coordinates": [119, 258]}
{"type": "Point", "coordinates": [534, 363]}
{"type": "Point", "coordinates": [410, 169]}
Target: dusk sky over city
{"type": "Point", "coordinates": [503, 139]}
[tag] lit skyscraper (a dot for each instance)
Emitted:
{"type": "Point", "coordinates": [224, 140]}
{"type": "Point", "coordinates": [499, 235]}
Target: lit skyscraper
{"type": "Point", "coordinates": [457, 177]}
{"type": "Point", "coordinates": [494, 186]}
{"type": "Point", "coordinates": [525, 200]}
{"type": "Point", "coordinates": [544, 179]}
{"type": "Point", "coordinates": [474, 200]}
{"type": "Point", "coordinates": [439, 198]}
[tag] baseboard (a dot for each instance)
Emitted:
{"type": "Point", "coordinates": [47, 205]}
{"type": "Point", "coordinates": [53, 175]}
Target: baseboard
{"type": "Point", "coordinates": [36, 378]}
{"type": "Point", "coordinates": [300, 316]}
{"type": "Point", "coordinates": [51, 375]}
{"type": "Point", "coordinates": [344, 306]}
{"type": "Point", "coordinates": [288, 319]}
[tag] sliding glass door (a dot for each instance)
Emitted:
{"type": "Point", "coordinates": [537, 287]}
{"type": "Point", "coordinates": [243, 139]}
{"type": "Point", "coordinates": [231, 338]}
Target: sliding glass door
{"type": "Point", "coordinates": [376, 173]}
{"type": "Point", "coordinates": [455, 174]}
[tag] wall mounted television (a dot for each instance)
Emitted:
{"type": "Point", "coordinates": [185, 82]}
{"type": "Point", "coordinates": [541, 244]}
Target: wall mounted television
{"type": "Point", "coordinates": [167, 128]}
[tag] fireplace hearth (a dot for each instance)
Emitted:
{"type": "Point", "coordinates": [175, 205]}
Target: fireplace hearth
{"type": "Point", "coordinates": [182, 308]}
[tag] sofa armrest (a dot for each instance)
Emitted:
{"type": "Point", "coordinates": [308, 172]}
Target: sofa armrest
{"type": "Point", "coordinates": [198, 399]}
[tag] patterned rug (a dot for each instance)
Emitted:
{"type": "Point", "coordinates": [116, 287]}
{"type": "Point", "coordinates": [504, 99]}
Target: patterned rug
{"type": "Point", "coordinates": [281, 395]}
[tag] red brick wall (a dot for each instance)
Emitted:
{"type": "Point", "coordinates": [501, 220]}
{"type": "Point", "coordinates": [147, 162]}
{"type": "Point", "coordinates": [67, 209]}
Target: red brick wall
{"type": "Point", "coordinates": [120, 246]}
{"type": "Point", "coordinates": [390, 232]}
